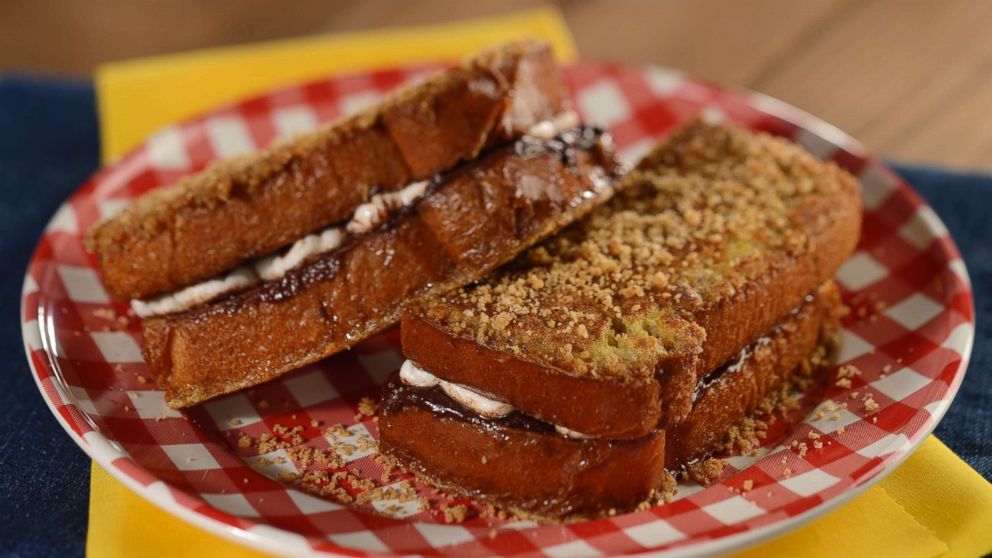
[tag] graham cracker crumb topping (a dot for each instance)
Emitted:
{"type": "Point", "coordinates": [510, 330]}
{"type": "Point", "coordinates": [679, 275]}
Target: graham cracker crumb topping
{"type": "Point", "coordinates": [701, 217]}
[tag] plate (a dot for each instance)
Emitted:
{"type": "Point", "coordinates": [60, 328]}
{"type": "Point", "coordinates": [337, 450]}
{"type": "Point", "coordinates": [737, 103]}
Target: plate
{"type": "Point", "coordinates": [909, 331]}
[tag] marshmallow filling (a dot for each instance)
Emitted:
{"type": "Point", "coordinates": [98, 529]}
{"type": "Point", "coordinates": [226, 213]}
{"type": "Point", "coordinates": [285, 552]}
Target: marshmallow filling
{"type": "Point", "coordinates": [482, 404]}
{"type": "Point", "coordinates": [366, 218]}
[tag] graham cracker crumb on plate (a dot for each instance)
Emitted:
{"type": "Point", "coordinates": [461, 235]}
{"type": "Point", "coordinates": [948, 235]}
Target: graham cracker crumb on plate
{"type": "Point", "coordinates": [870, 404]}
{"type": "Point", "coordinates": [454, 514]}
{"type": "Point", "coordinates": [707, 470]}
{"type": "Point", "coordinates": [366, 407]}
{"type": "Point", "coordinates": [844, 375]}
{"type": "Point", "coordinates": [104, 314]}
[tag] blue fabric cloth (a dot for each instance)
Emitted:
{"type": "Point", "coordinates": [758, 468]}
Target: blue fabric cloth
{"type": "Point", "coordinates": [49, 144]}
{"type": "Point", "coordinates": [962, 201]}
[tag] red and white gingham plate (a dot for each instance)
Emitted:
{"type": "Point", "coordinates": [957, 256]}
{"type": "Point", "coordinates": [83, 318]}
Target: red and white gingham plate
{"type": "Point", "coordinates": [910, 332]}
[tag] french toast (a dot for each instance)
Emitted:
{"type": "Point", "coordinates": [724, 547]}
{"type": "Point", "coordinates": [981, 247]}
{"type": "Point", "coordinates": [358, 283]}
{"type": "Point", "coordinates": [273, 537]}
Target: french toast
{"type": "Point", "coordinates": [180, 235]}
{"type": "Point", "coordinates": [525, 464]}
{"type": "Point", "coordinates": [470, 221]}
{"type": "Point", "coordinates": [264, 263]}
{"type": "Point", "coordinates": [710, 241]}
{"type": "Point", "coordinates": [634, 340]}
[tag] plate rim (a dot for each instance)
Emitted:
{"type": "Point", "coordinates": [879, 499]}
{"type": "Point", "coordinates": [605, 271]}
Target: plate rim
{"type": "Point", "coordinates": [104, 453]}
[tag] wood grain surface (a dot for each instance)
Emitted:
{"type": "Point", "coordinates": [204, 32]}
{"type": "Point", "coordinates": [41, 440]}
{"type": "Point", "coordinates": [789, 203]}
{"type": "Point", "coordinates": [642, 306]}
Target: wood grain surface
{"type": "Point", "coordinates": [912, 79]}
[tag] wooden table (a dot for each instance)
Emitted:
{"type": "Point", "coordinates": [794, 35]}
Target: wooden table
{"type": "Point", "coordinates": [912, 79]}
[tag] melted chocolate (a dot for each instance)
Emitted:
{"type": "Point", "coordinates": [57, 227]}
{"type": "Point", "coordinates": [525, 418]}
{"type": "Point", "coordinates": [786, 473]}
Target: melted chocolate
{"type": "Point", "coordinates": [736, 363]}
{"type": "Point", "coordinates": [397, 395]}
{"type": "Point", "coordinates": [564, 145]}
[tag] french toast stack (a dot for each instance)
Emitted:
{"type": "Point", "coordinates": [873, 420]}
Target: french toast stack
{"type": "Point", "coordinates": [262, 264]}
{"type": "Point", "coordinates": [559, 376]}
{"type": "Point", "coordinates": [564, 384]}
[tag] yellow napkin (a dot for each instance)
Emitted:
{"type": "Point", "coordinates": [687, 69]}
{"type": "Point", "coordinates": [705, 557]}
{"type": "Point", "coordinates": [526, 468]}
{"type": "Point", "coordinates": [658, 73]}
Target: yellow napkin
{"type": "Point", "coordinates": [933, 505]}
{"type": "Point", "coordinates": [139, 96]}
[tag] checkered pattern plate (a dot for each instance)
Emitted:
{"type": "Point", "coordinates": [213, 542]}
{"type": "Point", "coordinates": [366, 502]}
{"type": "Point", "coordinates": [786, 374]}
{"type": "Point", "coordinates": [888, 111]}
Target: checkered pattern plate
{"type": "Point", "coordinates": [909, 332]}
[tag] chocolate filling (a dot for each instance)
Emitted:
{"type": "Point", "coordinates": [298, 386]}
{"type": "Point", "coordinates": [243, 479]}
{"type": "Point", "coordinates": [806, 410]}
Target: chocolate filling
{"type": "Point", "coordinates": [564, 145]}
{"type": "Point", "coordinates": [738, 360]}
{"type": "Point", "coordinates": [398, 395]}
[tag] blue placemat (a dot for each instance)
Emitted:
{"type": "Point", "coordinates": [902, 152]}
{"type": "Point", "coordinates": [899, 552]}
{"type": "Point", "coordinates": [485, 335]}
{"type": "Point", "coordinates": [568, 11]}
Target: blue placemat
{"type": "Point", "coordinates": [49, 144]}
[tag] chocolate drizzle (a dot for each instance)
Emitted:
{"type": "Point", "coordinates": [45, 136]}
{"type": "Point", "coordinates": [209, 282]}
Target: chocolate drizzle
{"type": "Point", "coordinates": [563, 144]}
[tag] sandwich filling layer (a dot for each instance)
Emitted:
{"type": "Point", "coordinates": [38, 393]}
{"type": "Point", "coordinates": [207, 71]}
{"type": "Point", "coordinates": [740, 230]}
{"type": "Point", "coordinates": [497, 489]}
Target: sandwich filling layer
{"type": "Point", "coordinates": [484, 448]}
{"type": "Point", "coordinates": [482, 405]}
{"type": "Point", "coordinates": [521, 463]}
{"type": "Point", "coordinates": [780, 349]}
{"type": "Point", "coordinates": [561, 132]}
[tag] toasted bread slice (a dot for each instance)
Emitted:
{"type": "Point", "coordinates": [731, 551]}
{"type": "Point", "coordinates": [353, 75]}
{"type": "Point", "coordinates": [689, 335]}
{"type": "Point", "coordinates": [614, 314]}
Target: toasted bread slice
{"type": "Point", "coordinates": [523, 463]}
{"type": "Point", "coordinates": [250, 206]}
{"type": "Point", "coordinates": [475, 218]}
{"type": "Point", "coordinates": [709, 243]}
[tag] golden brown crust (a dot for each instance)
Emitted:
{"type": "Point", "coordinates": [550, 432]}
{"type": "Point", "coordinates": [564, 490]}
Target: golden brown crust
{"type": "Point", "coordinates": [473, 222]}
{"type": "Point", "coordinates": [712, 239]}
{"type": "Point", "coordinates": [178, 235]}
